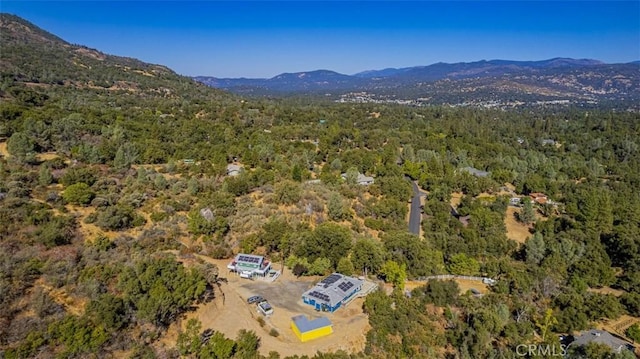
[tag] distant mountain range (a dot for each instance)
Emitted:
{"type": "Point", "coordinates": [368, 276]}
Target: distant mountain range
{"type": "Point", "coordinates": [39, 59]}
{"type": "Point", "coordinates": [558, 80]}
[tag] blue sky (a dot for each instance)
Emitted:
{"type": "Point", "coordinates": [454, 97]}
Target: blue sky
{"type": "Point", "coordinates": [264, 38]}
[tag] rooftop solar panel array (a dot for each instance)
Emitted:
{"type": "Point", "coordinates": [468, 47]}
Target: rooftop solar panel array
{"type": "Point", "coordinates": [345, 286]}
{"type": "Point", "coordinates": [331, 279]}
{"type": "Point", "coordinates": [332, 290]}
{"type": "Point", "coordinates": [248, 259]}
{"type": "Point", "coordinates": [319, 295]}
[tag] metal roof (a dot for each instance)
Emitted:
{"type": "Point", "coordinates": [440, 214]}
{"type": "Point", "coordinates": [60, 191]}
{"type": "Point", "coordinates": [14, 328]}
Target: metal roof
{"type": "Point", "coordinates": [305, 325]}
{"type": "Point", "coordinates": [476, 172]}
{"type": "Point", "coordinates": [602, 337]}
{"type": "Point", "coordinates": [333, 289]}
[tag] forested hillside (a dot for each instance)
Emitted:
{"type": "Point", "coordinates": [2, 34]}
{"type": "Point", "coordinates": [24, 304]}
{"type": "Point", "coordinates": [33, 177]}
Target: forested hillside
{"type": "Point", "coordinates": [114, 197]}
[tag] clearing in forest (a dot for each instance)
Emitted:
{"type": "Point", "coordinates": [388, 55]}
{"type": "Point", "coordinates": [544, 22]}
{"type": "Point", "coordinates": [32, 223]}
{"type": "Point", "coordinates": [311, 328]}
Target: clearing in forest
{"type": "Point", "coordinates": [516, 231]}
{"type": "Point", "coordinates": [3, 150]}
{"type": "Point", "coordinates": [229, 312]}
{"type": "Point", "coordinates": [456, 197]}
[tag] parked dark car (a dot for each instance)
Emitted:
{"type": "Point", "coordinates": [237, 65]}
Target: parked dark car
{"type": "Point", "coordinates": [255, 299]}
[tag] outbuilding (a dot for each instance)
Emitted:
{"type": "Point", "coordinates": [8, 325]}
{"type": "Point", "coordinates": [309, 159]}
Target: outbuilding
{"type": "Point", "coordinates": [306, 329]}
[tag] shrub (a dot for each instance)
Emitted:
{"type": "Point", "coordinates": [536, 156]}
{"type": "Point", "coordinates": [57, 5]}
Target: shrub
{"type": "Point", "coordinates": [320, 266]}
{"type": "Point", "coordinates": [345, 266]}
{"type": "Point", "coordinates": [633, 332]}
{"type": "Point", "coordinates": [118, 217]}
{"type": "Point", "coordinates": [79, 193]}
{"type": "Point", "coordinates": [56, 232]}
{"type": "Point", "coordinates": [288, 192]}
{"type": "Point", "coordinates": [299, 270]}
{"type": "Point", "coordinates": [158, 216]}
{"type": "Point", "coordinates": [273, 332]}
{"type": "Point", "coordinates": [78, 174]}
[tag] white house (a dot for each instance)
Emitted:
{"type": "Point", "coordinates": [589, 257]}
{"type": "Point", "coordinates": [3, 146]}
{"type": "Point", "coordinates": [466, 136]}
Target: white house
{"type": "Point", "coordinates": [249, 265]}
{"type": "Point", "coordinates": [361, 179]}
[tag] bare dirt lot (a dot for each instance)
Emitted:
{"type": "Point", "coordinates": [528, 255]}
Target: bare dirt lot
{"type": "Point", "coordinates": [3, 150]}
{"type": "Point", "coordinates": [606, 290]}
{"type": "Point", "coordinates": [229, 313]}
{"type": "Point", "coordinates": [515, 230]}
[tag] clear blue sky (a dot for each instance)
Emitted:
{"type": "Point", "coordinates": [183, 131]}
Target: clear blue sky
{"type": "Point", "coordinates": [263, 39]}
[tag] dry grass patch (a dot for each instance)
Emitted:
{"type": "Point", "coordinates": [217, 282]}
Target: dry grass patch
{"type": "Point", "coordinates": [47, 156]}
{"type": "Point", "coordinates": [88, 230]}
{"type": "Point", "coordinates": [71, 304]}
{"type": "Point", "coordinates": [515, 230]}
{"type": "Point", "coordinates": [466, 285]}
{"type": "Point", "coordinates": [456, 197]}
{"type": "Point", "coordinates": [606, 290]}
{"type": "Point", "coordinates": [3, 150]}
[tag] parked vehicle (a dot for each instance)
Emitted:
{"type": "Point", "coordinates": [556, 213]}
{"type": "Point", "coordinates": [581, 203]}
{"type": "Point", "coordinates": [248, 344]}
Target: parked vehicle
{"type": "Point", "coordinates": [265, 308]}
{"type": "Point", "coordinates": [255, 299]}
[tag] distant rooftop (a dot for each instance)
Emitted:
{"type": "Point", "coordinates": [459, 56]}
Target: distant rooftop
{"type": "Point", "coordinates": [476, 172]}
{"type": "Point", "coordinates": [361, 179]}
{"type": "Point", "coordinates": [602, 337]}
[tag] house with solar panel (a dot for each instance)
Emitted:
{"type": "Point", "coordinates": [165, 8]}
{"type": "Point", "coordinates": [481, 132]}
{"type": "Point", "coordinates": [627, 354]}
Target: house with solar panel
{"type": "Point", "coordinates": [249, 265]}
{"type": "Point", "coordinates": [332, 292]}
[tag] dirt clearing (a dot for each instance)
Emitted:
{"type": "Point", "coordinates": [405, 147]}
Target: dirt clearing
{"type": "Point", "coordinates": [515, 230]}
{"type": "Point", "coordinates": [229, 313]}
{"type": "Point", "coordinates": [456, 197]}
{"type": "Point", "coordinates": [3, 150]}
{"type": "Point", "coordinates": [606, 290]}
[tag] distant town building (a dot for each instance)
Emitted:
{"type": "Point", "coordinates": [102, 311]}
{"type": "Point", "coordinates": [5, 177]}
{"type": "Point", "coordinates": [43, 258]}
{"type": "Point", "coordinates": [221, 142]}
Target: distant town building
{"type": "Point", "coordinates": [476, 172]}
{"type": "Point", "coordinates": [361, 179]}
{"type": "Point", "coordinates": [249, 265]}
{"type": "Point", "coordinates": [539, 198]}
{"type": "Point", "coordinates": [233, 169]}
{"type": "Point", "coordinates": [306, 329]}
{"type": "Point", "coordinates": [332, 292]}
{"type": "Point", "coordinates": [207, 214]}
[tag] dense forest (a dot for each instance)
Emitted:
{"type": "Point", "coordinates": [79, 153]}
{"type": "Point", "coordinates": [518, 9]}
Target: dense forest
{"type": "Point", "coordinates": [113, 166]}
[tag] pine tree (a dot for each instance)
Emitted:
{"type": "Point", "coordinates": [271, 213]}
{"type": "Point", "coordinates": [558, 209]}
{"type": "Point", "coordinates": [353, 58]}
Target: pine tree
{"type": "Point", "coordinates": [528, 214]}
{"type": "Point", "coordinates": [44, 176]}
